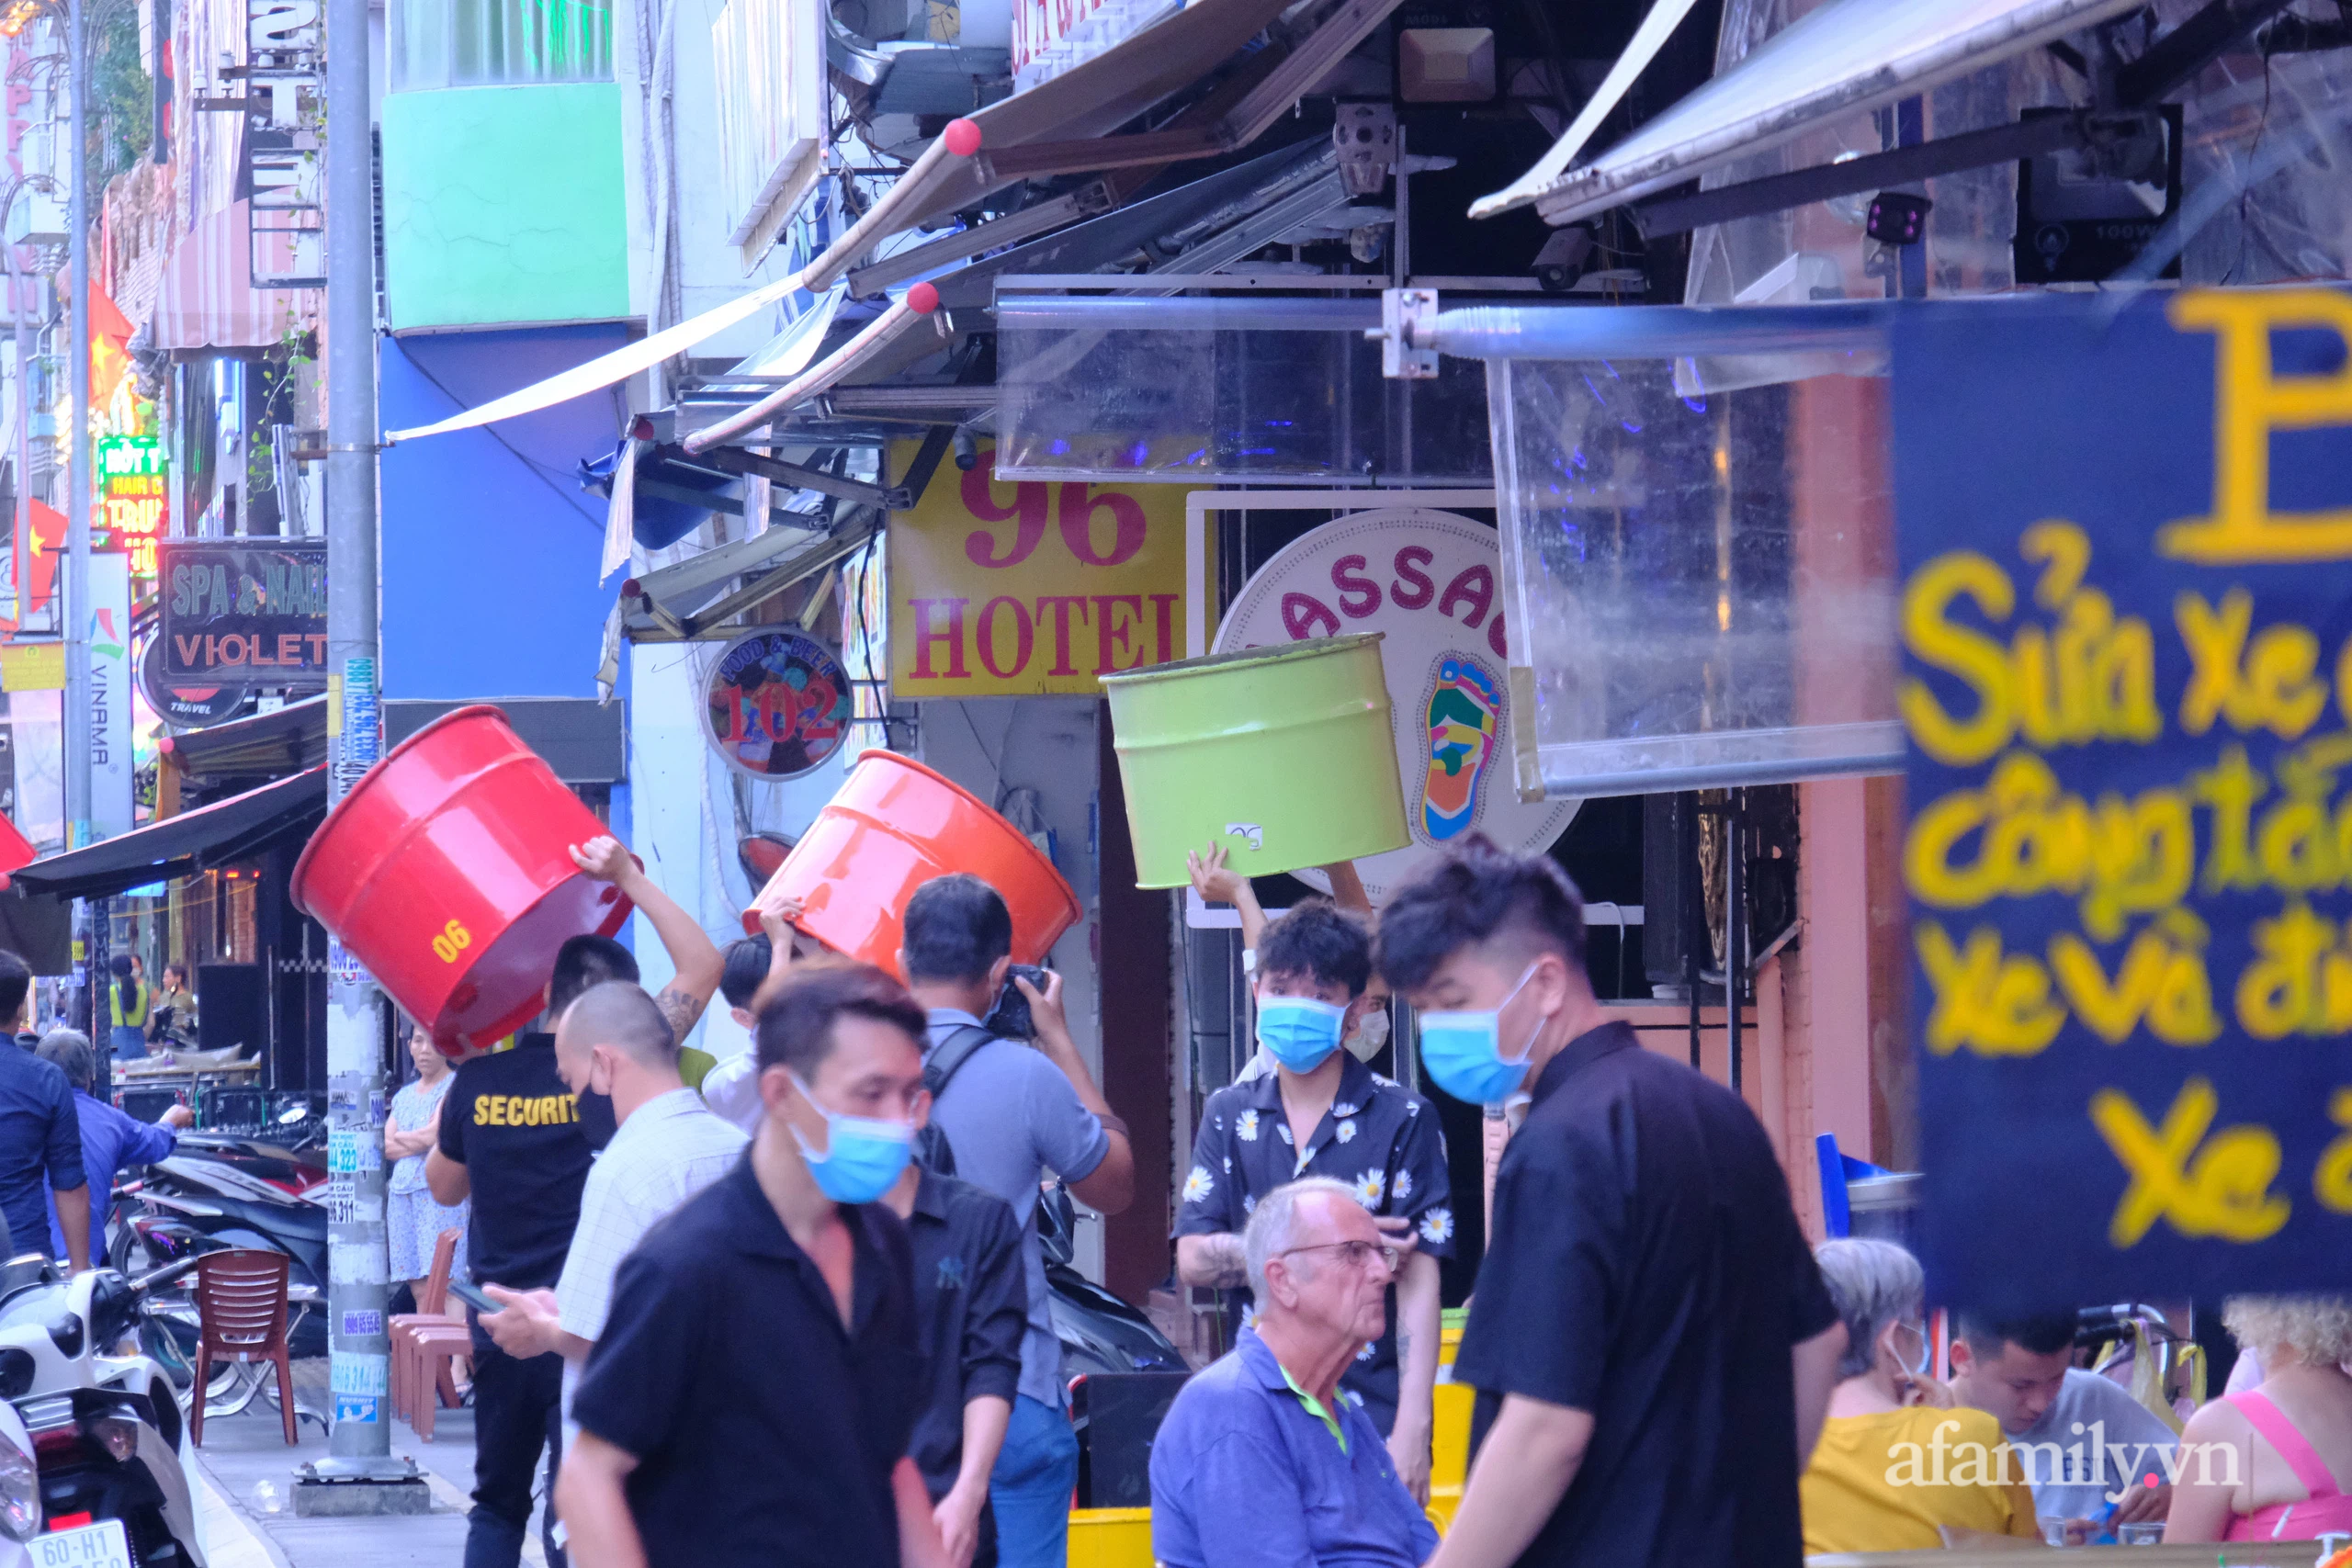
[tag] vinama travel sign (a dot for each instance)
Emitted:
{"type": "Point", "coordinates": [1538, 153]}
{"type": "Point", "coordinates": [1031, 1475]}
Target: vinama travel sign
{"type": "Point", "coordinates": [2126, 542]}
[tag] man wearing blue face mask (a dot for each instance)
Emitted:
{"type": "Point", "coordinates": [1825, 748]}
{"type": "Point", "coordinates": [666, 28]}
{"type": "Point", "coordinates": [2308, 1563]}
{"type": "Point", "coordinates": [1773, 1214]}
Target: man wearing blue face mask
{"type": "Point", "coordinates": [1322, 1112]}
{"type": "Point", "coordinates": [1652, 1343]}
{"type": "Point", "coordinates": [751, 1399]}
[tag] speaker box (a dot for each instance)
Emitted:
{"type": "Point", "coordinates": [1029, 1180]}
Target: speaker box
{"type": "Point", "coordinates": [231, 1008]}
{"type": "Point", "coordinates": [1669, 845]}
{"type": "Point", "coordinates": [1119, 1414]}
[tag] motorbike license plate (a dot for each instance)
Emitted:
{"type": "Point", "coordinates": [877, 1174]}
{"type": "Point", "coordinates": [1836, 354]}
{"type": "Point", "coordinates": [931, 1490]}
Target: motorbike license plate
{"type": "Point", "coordinates": [101, 1545]}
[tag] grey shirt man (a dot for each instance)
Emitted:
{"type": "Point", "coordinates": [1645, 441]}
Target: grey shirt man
{"type": "Point", "coordinates": [1011, 1116]}
{"type": "Point", "coordinates": [2104, 1440]}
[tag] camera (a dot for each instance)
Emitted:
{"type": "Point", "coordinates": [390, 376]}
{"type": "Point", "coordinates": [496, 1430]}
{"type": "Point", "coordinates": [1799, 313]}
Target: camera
{"type": "Point", "coordinates": [1010, 1017]}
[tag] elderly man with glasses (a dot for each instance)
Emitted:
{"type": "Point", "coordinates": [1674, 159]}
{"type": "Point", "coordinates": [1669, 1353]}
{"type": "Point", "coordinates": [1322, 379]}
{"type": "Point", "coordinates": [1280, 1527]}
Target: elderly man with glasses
{"type": "Point", "coordinates": [1262, 1462]}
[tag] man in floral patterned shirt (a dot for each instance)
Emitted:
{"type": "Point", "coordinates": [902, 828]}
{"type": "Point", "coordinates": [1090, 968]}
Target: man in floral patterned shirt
{"type": "Point", "coordinates": [1322, 1112]}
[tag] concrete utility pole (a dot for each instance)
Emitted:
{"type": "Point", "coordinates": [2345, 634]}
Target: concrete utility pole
{"type": "Point", "coordinates": [76, 616]}
{"type": "Point", "coordinates": [359, 1475]}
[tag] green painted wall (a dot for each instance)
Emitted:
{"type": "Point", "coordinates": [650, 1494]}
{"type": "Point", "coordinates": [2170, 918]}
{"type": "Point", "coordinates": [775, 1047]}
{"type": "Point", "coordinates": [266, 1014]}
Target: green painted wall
{"type": "Point", "coordinates": [504, 205]}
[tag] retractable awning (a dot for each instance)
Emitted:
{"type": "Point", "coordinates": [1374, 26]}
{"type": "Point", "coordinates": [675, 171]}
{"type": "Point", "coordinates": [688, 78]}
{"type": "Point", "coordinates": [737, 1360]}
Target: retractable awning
{"type": "Point", "coordinates": [1846, 56]}
{"type": "Point", "coordinates": [1073, 111]}
{"type": "Point", "coordinates": [228, 831]}
{"type": "Point", "coordinates": [261, 745]}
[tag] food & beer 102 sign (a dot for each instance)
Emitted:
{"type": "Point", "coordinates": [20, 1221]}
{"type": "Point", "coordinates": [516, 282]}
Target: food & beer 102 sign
{"type": "Point", "coordinates": [777, 703]}
{"type": "Point", "coordinates": [1022, 589]}
{"type": "Point", "coordinates": [2126, 624]}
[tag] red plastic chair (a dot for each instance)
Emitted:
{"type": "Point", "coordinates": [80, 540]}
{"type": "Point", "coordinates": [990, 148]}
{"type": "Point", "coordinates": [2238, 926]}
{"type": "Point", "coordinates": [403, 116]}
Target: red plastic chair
{"type": "Point", "coordinates": [425, 1344]}
{"type": "Point", "coordinates": [241, 1316]}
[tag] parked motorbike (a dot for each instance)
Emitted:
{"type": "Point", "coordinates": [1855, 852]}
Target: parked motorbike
{"type": "Point", "coordinates": [1099, 1332]}
{"type": "Point", "coordinates": [90, 1430]}
{"type": "Point", "coordinates": [216, 1191]}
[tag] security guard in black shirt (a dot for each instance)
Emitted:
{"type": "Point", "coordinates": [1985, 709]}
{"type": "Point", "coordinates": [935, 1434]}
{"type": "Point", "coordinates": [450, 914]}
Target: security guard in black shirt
{"type": "Point", "coordinates": [517, 1144]}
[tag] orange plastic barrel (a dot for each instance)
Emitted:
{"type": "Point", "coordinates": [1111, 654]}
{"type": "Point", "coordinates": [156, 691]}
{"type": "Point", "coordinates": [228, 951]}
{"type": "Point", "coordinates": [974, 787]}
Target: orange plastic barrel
{"type": "Point", "coordinates": [447, 872]}
{"type": "Point", "coordinates": [893, 826]}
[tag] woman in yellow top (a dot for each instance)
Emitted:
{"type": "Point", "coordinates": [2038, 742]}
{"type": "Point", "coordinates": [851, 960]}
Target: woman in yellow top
{"type": "Point", "coordinates": [1896, 1465]}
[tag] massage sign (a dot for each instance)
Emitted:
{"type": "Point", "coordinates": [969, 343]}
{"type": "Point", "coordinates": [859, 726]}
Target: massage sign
{"type": "Point", "coordinates": [237, 610]}
{"type": "Point", "coordinates": [2126, 629]}
{"type": "Point", "coordinates": [1430, 582]}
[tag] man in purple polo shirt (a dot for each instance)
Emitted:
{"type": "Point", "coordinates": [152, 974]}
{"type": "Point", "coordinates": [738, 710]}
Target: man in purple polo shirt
{"type": "Point", "coordinates": [1263, 1461]}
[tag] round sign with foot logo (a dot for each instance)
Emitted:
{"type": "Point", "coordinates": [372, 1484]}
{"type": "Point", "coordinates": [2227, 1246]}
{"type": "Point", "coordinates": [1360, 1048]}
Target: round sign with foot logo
{"type": "Point", "coordinates": [1432, 582]}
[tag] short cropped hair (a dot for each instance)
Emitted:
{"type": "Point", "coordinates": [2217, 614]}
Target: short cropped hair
{"type": "Point", "coordinates": [1321, 940]}
{"type": "Point", "coordinates": [1274, 1223]}
{"type": "Point", "coordinates": [2316, 1330]}
{"type": "Point", "coordinates": [956, 927]}
{"type": "Point", "coordinates": [70, 1052]}
{"type": "Point", "coordinates": [747, 965]}
{"type": "Point", "coordinates": [1476, 893]}
{"type": "Point", "coordinates": [619, 1013]}
{"type": "Point", "coordinates": [796, 1031]}
{"type": "Point", "coordinates": [2038, 1334]}
{"type": "Point", "coordinates": [16, 979]}
{"type": "Point", "coordinates": [1872, 1283]}
{"type": "Point", "coordinates": [583, 961]}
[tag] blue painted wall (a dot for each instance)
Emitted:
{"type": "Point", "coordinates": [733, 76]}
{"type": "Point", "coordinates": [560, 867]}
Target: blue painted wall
{"type": "Point", "coordinates": [490, 545]}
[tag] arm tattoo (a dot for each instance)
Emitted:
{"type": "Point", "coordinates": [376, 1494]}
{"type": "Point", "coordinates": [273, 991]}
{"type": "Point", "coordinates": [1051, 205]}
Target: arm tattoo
{"type": "Point", "coordinates": [1232, 1263]}
{"type": "Point", "coordinates": [680, 1011]}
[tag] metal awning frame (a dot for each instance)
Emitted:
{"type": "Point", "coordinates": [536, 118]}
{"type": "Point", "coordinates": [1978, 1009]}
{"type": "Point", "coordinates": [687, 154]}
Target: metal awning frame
{"type": "Point", "coordinates": [2126, 95]}
{"type": "Point", "coordinates": [648, 623]}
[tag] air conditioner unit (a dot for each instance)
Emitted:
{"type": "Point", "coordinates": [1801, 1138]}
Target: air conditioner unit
{"type": "Point", "coordinates": [37, 219]}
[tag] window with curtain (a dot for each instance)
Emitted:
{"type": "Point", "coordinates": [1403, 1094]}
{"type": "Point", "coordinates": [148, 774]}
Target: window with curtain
{"type": "Point", "coordinates": [472, 43]}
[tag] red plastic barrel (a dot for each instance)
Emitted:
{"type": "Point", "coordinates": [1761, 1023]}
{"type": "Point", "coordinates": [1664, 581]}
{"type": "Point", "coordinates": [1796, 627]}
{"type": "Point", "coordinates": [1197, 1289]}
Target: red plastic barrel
{"type": "Point", "coordinates": [893, 826]}
{"type": "Point", "coordinates": [446, 871]}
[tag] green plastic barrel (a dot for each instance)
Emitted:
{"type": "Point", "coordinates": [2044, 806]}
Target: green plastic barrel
{"type": "Point", "coordinates": [1284, 755]}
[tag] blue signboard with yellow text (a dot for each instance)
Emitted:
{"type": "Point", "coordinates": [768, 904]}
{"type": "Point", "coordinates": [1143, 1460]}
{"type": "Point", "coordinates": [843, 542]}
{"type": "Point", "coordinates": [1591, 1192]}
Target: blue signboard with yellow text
{"type": "Point", "coordinates": [2127, 680]}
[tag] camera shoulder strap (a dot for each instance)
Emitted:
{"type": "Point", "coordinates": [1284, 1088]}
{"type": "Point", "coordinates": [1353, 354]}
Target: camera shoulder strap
{"type": "Point", "coordinates": [951, 1053]}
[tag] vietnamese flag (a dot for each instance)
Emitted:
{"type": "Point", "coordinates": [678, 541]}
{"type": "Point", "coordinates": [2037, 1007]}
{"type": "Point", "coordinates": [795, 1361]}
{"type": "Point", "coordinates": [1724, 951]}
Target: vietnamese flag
{"type": "Point", "coordinates": [40, 539]}
{"type": "Point", "coordinates": [110, 332]}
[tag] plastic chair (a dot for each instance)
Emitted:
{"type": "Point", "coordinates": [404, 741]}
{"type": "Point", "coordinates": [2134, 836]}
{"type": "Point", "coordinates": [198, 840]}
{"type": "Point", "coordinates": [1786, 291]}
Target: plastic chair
{"type": "Point", "coordinates": [241, 1316]}
{"type": "Point", "coordinates": [424, 1346]}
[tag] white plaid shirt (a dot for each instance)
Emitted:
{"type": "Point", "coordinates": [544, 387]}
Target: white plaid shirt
{"type": "Point", "coordinates": [670, 1148]}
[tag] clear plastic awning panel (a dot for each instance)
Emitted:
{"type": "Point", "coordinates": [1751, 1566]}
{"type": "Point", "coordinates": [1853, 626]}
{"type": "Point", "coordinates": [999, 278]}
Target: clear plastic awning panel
{"type": "Point", "coordinates": [1847, 55]}
{"type": "Point", "coordinates": [1197, 390]}
{"type": "Point", "coordinates": [1700, 582]}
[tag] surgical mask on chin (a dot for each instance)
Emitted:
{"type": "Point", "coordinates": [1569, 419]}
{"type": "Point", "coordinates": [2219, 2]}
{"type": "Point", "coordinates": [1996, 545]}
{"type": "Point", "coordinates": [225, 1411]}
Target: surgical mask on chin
{"type": "Point", "coordinates": [1912, 1368]}
{"type": "Point", "coordinates": [1370, 1035]}
{"type": "Point", "coordinates": [1462, 1051]}
{"type": "Point", "coordinates": [864, 1155]}
{"type": "Point", "coordinates": [1300, 1031]}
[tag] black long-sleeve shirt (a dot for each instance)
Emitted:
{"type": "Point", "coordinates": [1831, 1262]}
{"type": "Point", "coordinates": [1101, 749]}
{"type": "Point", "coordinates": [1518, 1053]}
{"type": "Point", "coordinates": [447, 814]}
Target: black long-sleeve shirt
{"type": "Point", "coordinates": [41, 1147]}
{"type": "Point", "coordinates": [971, 1304]}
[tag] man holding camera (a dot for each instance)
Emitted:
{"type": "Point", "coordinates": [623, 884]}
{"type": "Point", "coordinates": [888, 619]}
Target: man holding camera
{"type": "Point", "coordinates": [1012, 1115]}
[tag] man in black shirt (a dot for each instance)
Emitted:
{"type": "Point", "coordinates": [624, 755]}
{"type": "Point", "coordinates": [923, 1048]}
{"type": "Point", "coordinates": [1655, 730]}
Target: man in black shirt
{"type": "Point", "coordinates": [517, 1141]}
{"type": "Point", "coordinates": [1651, 1343]}
{"type": "Point", "coordinates": [750, 1401]}
{"type": "Point", "coordinates": [972, 1301]}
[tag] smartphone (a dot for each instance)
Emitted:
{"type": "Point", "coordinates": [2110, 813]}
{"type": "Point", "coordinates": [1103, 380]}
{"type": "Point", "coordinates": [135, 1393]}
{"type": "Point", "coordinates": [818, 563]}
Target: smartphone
{"type": "Point", "coordinates": [1010, 1017]}
{"type": "Point", "coordinates": [472, 1296]}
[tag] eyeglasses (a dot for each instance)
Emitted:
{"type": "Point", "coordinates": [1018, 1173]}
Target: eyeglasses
{"type": "Point", "coordinates": [1355, 1254]}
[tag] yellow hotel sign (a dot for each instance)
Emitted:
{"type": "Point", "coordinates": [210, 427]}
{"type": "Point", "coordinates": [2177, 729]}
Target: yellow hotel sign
{"type": "Point", "coordinates": [1032, 589]}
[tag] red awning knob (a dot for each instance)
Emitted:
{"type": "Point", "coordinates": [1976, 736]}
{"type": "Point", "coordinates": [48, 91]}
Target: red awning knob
{"type": "Point", "coordinates": [922, 298]}
{"type": "Point", "coordinates": [962, 137]}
